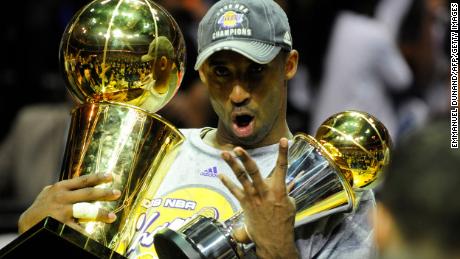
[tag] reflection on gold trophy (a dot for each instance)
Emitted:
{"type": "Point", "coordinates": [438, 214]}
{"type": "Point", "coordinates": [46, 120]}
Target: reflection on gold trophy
{"type": "Point", "coordinates": [123, 60]}
{"type": "Point", "coordinates": [359, 144]}
{"type": "Point", "coordinates": [325, 176]}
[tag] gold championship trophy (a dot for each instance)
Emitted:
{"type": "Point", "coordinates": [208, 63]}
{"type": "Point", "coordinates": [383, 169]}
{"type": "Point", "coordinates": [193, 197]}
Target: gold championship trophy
{"type": "Point", "coordinates": [122, 61]}
{"type": "Point", "coordinates": [325, 175]}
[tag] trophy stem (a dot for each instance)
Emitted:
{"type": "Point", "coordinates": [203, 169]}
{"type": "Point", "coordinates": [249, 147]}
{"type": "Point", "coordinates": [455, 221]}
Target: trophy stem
{"type": "Point", "coordinates": [124, 141]}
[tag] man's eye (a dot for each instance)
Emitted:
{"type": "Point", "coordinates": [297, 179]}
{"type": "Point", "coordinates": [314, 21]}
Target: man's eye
{"type": "Point", "coordinates": [221, 71]}
{"type": "Point", "coordinates": [256, 69]}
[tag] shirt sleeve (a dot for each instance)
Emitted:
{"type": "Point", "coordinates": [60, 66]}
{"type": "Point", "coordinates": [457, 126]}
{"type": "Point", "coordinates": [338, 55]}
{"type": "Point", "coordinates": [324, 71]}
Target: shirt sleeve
{"type": "Point", "coordinates": [339, 236]}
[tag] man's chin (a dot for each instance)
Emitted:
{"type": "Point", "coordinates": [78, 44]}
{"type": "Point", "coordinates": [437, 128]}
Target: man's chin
{"type": "Point", "coordinates": [247, 140]}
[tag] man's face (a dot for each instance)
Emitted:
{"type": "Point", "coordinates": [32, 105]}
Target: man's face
{"type": "Point", "coordinates": [249, 98]}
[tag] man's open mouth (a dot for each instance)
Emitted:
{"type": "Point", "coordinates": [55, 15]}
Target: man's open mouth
{"type": "Point", "coordinates": [243, 120]}
{"type": "Point", "coordinates": [243, 124]}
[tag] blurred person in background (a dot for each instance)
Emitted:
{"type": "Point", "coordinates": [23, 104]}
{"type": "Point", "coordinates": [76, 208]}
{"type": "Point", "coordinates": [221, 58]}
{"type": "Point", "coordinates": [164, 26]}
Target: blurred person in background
{"type": "Point", "coordinates": [362, 66]}
{"type": "Point", "coordinates": [35, 112]}
{"type": "Point", "coordinates": [300, 87]}
{"type": "Point", "coordinates": [386, 57]}
{"type": "Point", "coordinates": [33, 148]}
{"type": "Point", "coordinates": [418, 215]}
{"type": "Point", "coordinates": [30, 159]}
{"type": "Point", "coordinates": [423, 39]}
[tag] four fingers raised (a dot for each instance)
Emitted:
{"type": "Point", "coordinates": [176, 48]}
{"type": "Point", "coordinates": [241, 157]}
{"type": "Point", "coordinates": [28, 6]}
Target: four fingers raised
{"type": "Point", "coordinates": [250, 176]}
{"type": "Point", "coordinates": [279, 174]}
{"type": "Point", "coordinates": [251, 169]}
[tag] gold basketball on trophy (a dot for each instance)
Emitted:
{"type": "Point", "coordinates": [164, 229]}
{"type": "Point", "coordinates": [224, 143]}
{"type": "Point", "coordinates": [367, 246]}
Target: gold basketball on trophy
{"type": "Point", "coordinates": [129, 52]}
{"type": "Point", "coordinates": [360, 145]}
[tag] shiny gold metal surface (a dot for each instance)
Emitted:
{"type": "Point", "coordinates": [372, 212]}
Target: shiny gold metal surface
{"type": "Point", "coordinates": [318, 185]}
{"type": "Point", "coordinates": [139, 209]}
{"type": "Point", "coordinates": [122, 61]}
{"type": "Point", "coordinates": [359, 143]}
{"type": "Point", "coordinates": [124, 141]}
{"type": "Point", "coordinates": [127, 51]}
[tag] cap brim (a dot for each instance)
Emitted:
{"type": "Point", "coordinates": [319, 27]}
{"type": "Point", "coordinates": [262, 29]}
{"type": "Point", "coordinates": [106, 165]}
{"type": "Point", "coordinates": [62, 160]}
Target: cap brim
{"type": "Point", "coordinates": [146, 58]}
{"type": "Point", "coordinates": [256, 51]}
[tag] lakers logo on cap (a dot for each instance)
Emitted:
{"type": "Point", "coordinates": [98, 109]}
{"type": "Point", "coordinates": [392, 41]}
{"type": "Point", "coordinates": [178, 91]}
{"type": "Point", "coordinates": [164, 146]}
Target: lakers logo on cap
{"type": "Point", "coordinates": [232, 20]}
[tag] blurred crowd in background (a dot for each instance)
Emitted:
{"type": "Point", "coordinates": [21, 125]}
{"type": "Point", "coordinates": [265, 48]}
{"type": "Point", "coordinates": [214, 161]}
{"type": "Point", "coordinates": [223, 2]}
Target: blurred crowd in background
{"type": "Point", "coordinates": [385, 57]}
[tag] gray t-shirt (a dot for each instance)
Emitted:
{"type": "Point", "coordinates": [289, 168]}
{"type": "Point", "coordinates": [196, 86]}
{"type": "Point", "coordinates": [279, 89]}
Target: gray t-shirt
{"type": "Point", "coordinates": [191, 185]}
{"type": "Point", "coordinates": [345, 236]}
{"type": "Point", "coordinates": [198, 164]}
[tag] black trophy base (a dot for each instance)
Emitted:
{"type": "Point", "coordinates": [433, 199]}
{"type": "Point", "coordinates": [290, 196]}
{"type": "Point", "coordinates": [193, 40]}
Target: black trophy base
{"type": "Point", "coordinates": [53, 239]}
{"type": "Point", "coordinates": [170, 244]}
{"type": "Point", "coordinates": [200, 238]}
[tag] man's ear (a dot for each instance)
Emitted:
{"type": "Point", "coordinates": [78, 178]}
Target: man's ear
{"type": "Point", "coordinates": [202, 77]}
{"type": "Point", "coordinates": [163, 63]}
{"type": "Point", "coordinates": [291, 64]}
{"type": "Point", "coordinates": [384, 227]}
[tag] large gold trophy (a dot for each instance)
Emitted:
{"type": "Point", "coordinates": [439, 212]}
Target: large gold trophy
{"type": "Point", "coordinates": [326, 175]}
{"type": "Point", "coordinates": [122, 61]}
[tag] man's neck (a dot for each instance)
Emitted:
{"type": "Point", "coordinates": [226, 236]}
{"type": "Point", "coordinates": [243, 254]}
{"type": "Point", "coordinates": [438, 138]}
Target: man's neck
{"type": "Point", "coordinates": [211, 139]}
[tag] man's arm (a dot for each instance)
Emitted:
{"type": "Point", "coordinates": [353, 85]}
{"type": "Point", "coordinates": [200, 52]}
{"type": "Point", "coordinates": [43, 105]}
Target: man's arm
{"type": "Point", "coordinates": [269, 212]}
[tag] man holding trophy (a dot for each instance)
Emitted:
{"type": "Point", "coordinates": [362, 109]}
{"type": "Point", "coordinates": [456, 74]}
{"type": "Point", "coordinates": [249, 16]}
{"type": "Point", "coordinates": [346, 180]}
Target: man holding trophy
{"type": "Point", "coordinates": [245, 59]}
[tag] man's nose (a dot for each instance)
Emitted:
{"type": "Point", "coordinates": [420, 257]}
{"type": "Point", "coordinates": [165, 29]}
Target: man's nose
{"type": "Point", "coordinates": [239, 95]}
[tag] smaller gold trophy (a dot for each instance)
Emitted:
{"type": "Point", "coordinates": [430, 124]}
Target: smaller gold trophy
{"type": "Point", "coordinates": [326, 175]}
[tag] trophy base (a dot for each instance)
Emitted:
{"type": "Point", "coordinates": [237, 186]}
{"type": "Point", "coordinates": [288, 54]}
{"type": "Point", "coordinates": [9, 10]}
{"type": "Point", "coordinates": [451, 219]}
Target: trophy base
{"type": "Point", "coordinates": [170, 244]}
{"type": "Point", "coordinates": [201, 238]}
{"type": "Point", "coordinates": [52, 239]}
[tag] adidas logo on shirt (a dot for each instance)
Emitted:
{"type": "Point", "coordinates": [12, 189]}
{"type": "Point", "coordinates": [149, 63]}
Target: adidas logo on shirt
{"type": "Point", "coordinates": [211, 172]}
